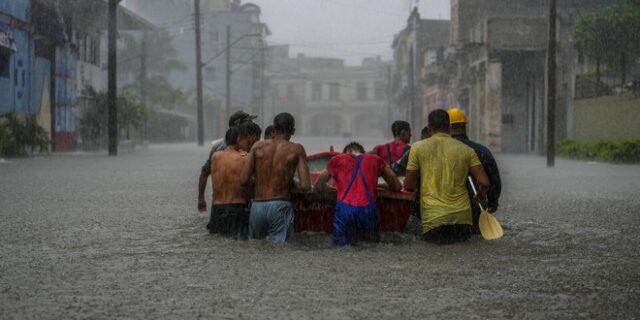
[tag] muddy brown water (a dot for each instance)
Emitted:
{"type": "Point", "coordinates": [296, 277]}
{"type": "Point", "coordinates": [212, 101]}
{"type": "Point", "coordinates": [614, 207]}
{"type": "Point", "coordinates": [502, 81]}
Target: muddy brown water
{"type": "Point", "coordinates": [87, 236]}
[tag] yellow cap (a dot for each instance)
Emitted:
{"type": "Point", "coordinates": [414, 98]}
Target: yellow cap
{"type": "Point", "coordinates": [456, 116]}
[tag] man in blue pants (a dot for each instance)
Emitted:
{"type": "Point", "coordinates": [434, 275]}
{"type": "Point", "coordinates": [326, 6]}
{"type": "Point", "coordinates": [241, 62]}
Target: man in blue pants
{"type": "Point", "coordinates": [356, 178]}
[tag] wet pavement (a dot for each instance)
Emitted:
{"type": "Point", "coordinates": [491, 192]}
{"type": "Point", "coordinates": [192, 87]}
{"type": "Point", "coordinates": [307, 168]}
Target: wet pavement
{"type": "Point", "coordinates": [88, 236]}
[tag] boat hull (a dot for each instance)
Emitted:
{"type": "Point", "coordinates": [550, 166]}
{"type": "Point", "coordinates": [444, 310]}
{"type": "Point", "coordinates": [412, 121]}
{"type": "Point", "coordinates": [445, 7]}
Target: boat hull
{"type": "Point", "coordinates": [314, 210]}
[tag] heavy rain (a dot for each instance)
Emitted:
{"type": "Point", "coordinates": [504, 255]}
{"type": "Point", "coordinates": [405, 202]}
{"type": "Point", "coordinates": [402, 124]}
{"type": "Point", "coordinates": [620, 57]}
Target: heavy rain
{"type": "Point", "coordinates": [137, 179]}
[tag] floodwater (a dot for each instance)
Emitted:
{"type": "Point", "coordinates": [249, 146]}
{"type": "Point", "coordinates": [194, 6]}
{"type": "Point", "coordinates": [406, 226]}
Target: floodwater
{"type": "Point", "coordinates": [88, 236]}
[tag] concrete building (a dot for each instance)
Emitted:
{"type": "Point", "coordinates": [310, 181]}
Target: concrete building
{"type": "Point", "coordinates": [493, 66]}
{"type": "Point", "coordinates": [328, 98]}
{"type": "Point", "coordinates": [247, 36]}
{"type": "Point", "coordinates": [417, 47]}
{"type": "Point", "coordinates": [501, 49]}
{"type": "Point", "coordinates": [51, 52]}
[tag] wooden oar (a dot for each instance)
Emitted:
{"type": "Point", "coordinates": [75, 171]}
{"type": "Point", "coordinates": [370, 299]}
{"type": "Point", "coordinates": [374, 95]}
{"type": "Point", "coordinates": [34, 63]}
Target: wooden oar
{"type": "Point", "coordinates": [490, 227]}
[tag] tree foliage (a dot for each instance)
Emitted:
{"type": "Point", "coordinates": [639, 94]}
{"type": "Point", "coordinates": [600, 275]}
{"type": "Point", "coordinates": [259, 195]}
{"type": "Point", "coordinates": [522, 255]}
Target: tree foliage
{"type": "Point", "coordinates": [611, 36]}
{"type": "Point", "coordinates": [18, 136]}
{"type": "Point", "coordinates": [160, 93]}
{"type": "Point", "coordinates": [93, 122]}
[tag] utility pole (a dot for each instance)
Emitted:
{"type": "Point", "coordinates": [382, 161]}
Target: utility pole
{"type": "Point", "coordinates": [263, 66]}
{"type": "Point", "coordinates": [551, 86]}
{"type": "Point", "coordinates": [112, 95]}
{"type": "Point", "coordinates": [143, 80]}
{"type": "Point", "coordinates": [199, 98]}
{"type": "Point", "coordinates": [415, 101]}
{"type": "Point", "coordinates": [227, 107]}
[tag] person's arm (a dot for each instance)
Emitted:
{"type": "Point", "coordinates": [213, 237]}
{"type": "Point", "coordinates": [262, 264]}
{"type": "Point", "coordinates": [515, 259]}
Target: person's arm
{"type": "Point", "coordinates": [323, 178]}
{"type": "Point", "coordinates": [247, 170]}
{"type": "Point", "coordinates": [391, 179]}
{"type": "Point", "coordinates": [482, 180]}
{"type": "Point", "coordinates": [410, 180]}
{"type": "Point", "coordinates": [413, 170]}
{"type": "Point", "coordinates": [493, 195]}
{"type": "Point", "coordinates": [303, 171]}
{"type": "Point", "coordinates": [202, 186]}
{"type": "Point", "coordinates": [205, 172]}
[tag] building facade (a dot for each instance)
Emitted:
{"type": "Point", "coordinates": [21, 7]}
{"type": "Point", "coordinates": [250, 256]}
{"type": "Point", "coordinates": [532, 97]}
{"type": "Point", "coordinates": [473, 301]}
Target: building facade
{"type": "Point", "coordinates": [417, 48]}
{"type": "Point", "coordinates": [493, 66]}
{"type": "Point", "coordinates": [328, 98]}
{"type": "Point", "coordinates": [247, 36]}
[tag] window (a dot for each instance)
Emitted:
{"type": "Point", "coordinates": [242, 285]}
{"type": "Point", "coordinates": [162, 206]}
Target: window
{"type": "Point", "coordinates": [380, 90]}
{"type": "Point", "coordinates": [316, 91]}
{"type": "Point", "coordinates": [361, 91]}
{"type": "Point", "coordinates": [88, 48]}
{"type": "Point", "coordinates": [334, 91]}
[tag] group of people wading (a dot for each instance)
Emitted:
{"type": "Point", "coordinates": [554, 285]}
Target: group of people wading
{"type": "Point", "coordinates": [253, 180]}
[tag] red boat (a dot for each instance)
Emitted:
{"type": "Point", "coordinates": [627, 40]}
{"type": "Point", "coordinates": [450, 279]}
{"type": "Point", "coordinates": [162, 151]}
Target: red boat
{"type": "Point", "coordinates": [314, 211]}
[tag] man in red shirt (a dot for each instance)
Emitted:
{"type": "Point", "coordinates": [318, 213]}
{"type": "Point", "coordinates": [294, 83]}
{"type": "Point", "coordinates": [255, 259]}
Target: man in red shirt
{"type": "Point", "coordinates": [393, 151]}
{"type": "Point", "coordinates": [356, 178]}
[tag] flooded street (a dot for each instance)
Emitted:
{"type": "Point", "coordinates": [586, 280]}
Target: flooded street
{"type": "Point", "coordinates": [87, 236]}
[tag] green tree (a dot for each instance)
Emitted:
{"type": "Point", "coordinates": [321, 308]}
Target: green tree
{"type": "Point", "coordinates": [611, 36]}
{"type": "Point", "coordinates": [132, 114]}
{"type": "Point", "coordinates": [160, 93]}
{"type": "Point", "coordinates": [20, 134]}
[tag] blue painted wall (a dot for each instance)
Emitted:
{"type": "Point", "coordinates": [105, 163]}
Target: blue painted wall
{"type": "Point", "coordinates": [65, 97]}
{"type": "Point", "coordinates": [16, 8]}
{"type": "Point", "coordinates": [17, 87]}
{"type": "Point", "coordinates": [21, 90]}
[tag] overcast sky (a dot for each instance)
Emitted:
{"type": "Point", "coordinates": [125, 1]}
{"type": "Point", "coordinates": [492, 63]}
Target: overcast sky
{"type": "Point", "coordinates": [349, 29]}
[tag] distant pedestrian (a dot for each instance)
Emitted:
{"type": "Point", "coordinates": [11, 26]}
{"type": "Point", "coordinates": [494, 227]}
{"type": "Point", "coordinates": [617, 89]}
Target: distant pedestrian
{"type": "Point", "coordinates": [443, 164]}
{"type": "Point", "coordinates": [458, 131]}
{"type": "Point", "coordinates": [229, 212]}
{"type": "Point", "coordinates": [392, 151]}
{"type": "Point", "coordinates": [273, 164]}
{"type": "Point", "coordinates": [356, 175]}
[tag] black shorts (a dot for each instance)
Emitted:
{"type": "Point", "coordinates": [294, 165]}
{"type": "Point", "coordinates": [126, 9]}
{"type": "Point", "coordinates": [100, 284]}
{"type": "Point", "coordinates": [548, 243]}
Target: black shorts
{"type": "Point", "coordinates": [229, 220]}
{"type": "Point", "coordinates": [448, 234]}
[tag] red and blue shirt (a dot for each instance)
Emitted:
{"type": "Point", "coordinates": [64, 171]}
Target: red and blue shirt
{"type": "Point", "coordinates": [341, 169]}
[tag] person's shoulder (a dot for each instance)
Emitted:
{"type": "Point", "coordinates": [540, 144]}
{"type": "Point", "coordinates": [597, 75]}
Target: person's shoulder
{"type": "Point", "coordinates": [376, 160]}
{"type": "Point", "coordinates": [420, 144]}
{"type": "Point", "coordinates": [398, 144]}
{"type": "Point", "coordinates": [219, 155]}
{"type": "Point", "coordinates": [379, 147]}
{"type": "Point", "coordinates": [297, 147]}
{"type": "Point", "coordinates": [261, 144]}
{"type": "Point", "coordinates": [373, 157]}
{"type": "Point", "coordinates": [339, 158]}
{"type": "Point", "coordinates": [218, 145]}
{"type": "Point", "coordinates": [457, 143]}
{"type": "Point", "coordinates": [479, 147]}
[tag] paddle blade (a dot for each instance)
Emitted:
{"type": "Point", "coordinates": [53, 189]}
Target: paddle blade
{"type": "Point", "coordinates": [490, 227]}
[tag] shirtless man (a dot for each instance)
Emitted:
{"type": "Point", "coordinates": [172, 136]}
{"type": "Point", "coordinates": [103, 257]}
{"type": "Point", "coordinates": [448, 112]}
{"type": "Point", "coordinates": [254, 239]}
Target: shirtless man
{"type": "Point", "coordinates": [273, 163]}
{"type": "Point", "coordinates": [229, 214]}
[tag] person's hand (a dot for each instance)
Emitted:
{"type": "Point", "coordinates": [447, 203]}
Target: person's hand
{"type": "Point", "coordinates": [480, 199]}
{"type": "Point", "coordinates": [202, 205]}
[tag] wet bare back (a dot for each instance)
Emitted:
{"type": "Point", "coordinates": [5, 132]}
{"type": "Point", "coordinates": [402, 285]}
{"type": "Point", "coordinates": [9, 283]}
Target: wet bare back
{"type": "Point", "coordinates": [274, 164]}
{"type": "Point", "coordinates": [226, 167]}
